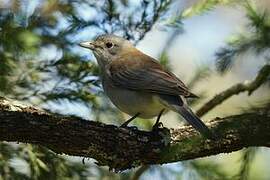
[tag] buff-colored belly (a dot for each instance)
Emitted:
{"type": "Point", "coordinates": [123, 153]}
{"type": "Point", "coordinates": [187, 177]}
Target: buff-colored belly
{"type": "Point", "coordinates": [133, 102]}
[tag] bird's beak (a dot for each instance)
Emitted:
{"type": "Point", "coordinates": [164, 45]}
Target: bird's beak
{"type": "Point", "coordinates": [88, 44]}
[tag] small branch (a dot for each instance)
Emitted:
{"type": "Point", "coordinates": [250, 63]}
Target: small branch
{"type": "Point", "coordinates": [250, 87]}
{"type": "Point", "coordinates": [122, 148]}
{"type": "Point", "coordinates": [140, 172]}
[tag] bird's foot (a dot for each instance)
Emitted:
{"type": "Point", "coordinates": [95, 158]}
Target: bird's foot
{"type": "Point", "coordinates": [123, 125]}
{"type": "Point", "coordinates": [129, 127]}
{"type": "Point", "coordinates": [157, 126]}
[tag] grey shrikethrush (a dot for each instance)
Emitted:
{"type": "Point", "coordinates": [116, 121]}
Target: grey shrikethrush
{"type": "Point", "coordinates": [138, 85]}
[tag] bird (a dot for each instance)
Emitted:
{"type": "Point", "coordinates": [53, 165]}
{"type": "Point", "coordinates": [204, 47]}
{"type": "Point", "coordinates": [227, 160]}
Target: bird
{"type": "Point", "coordinates": [139, 85]}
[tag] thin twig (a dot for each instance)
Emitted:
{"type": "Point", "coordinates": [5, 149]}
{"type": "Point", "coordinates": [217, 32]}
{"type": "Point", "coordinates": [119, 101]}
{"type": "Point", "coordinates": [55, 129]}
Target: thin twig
{"type": "Point", "coordinates": [250, 87]}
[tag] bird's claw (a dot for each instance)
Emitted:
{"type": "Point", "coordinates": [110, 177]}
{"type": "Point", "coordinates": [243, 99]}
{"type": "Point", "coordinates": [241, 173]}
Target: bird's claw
{"type": "Point", "coordinates": [123, 126]}
{"type": "Point", "coordinates": [129, 127]}
{"type": "Point", "coordinates": [157, 126]}
{"type": "Point", "coordinates": [133, 127]}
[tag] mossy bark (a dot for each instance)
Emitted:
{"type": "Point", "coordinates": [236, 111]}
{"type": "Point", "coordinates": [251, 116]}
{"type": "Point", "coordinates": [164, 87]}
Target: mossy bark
{"type": "Point", "coordinates": [123, 148]}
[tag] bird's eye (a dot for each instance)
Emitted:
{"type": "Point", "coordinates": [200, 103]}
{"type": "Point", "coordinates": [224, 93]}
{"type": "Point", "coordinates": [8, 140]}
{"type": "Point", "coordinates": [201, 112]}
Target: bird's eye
{"type": "Point", "coordinates": [109, 45]}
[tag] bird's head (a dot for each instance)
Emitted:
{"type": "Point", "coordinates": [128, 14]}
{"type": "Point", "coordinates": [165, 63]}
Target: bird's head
{"type": "Point", "coordinates": [106, 48]}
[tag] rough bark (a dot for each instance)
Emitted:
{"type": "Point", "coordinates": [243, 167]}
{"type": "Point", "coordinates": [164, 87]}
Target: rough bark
{"type": "Point", "coordinates": [122, 148]}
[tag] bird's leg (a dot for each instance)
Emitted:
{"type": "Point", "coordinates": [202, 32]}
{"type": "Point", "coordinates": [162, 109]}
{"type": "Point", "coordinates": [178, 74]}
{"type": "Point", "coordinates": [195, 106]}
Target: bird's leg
{"type": "Point", "coordinates": [128, 121]}
{"type": "Point", "coordinates": [158, 124]}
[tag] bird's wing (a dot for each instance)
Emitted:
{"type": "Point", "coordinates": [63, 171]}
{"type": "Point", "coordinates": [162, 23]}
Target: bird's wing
{"type": "Point", "coordinates": [142, 73]}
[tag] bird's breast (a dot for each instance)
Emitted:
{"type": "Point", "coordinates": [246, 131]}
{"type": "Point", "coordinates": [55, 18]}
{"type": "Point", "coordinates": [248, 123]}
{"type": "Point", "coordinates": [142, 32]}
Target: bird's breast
{"type": "Point", "coordinates": [133, 102]}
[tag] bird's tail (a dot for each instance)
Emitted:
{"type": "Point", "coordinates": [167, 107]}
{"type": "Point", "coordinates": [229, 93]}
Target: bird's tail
{"type": "Point", "coordinates": [195, 121]}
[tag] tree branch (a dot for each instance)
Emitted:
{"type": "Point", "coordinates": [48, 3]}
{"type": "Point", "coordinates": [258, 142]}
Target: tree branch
{"type": "Point", "coordinates": [250, 87]}
{"type": "Point", "coordinates": [140, 172]}
{"type": "Point", "coordinates": [122, 148]}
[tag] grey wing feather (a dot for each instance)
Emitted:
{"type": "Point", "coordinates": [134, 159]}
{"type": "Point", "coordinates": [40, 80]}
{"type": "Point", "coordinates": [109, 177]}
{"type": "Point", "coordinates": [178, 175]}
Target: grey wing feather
{"type": "Point", "coordinates": [177, 104]}
{"type": "Point", "coordinates": [195, 121]}
{"type": "Point", "coordinates": [151, 80]}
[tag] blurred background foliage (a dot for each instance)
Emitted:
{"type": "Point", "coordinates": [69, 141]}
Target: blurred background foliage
{"type": "Point", "coordinates": [41, 64]}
